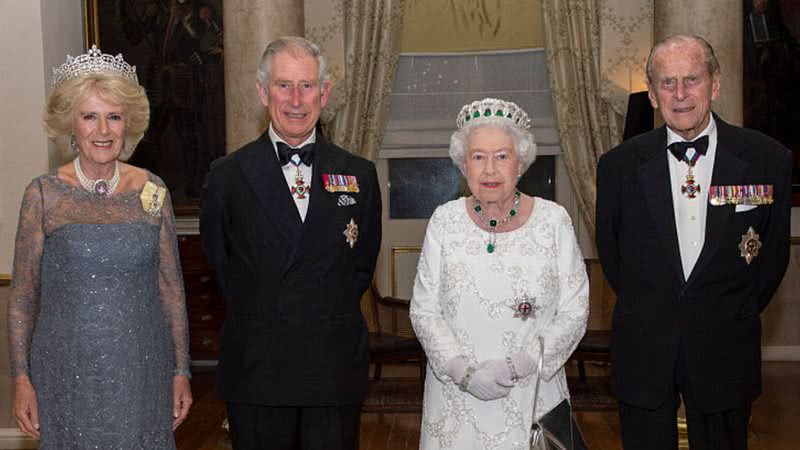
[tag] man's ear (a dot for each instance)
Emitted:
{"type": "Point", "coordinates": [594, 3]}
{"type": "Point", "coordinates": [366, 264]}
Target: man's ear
{"type": "Point", "coordinates": [714, 86]}
{"type": "Point", "coordinates": [651, 94]}
{"type": "Point", "coordinates": [262, 92]}
{"type": "Point", "coordinates": [326, 93]}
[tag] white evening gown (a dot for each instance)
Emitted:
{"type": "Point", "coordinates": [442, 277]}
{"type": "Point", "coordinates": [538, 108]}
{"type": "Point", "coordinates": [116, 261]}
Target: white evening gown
{"type": "Point", "coordinates": [464, 303]}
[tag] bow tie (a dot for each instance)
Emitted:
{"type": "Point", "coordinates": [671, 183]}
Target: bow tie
{"type": "Point", "coordinates": [285, 153]}
{"type": "Point", "coordinates": [679, 148]}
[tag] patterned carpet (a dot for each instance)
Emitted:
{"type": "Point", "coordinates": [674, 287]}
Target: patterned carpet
{"type": "Point", "coordinates": [395, 395]}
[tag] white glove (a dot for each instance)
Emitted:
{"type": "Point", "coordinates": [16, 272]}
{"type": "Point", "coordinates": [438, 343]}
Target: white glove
{"type": "Point", "coordinates": [523, 364]}
{"type": "Point", "coordinates": [490, 381]}
{"type": "Point", "coordinates": [482, 382]}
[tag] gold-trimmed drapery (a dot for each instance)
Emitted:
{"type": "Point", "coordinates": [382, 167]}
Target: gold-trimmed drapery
{"type": "Point", "coordinates": [372, 32]}
{"type": "Point", "coordinates": [587, 124]}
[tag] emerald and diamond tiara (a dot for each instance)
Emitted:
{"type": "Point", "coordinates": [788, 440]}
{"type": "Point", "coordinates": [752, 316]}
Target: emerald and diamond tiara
{"type": "Point", "coordinates": [479, 110]}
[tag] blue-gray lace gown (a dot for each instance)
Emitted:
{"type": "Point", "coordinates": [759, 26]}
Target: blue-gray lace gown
{"type": "Point", "coordinates": [97, 316]}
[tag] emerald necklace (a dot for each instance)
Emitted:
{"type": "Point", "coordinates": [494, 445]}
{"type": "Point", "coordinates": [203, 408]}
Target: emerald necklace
{"type": "Point", "coordinates": [493, 223]}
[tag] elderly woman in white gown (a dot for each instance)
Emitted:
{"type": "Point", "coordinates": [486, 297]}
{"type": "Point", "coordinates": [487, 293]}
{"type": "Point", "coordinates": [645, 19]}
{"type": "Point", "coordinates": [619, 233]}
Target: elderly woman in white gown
{"type": "Point", "coordinates": [498, 270]}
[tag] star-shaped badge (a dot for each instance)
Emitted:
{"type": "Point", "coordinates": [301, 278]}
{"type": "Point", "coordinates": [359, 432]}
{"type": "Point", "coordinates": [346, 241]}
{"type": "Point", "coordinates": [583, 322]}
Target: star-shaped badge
{"type": "Point", "coordinates": [351, 233]}
{"type": "Point", "coordinates": [750, 245]}
{"type": "Point", "coordinates": [525, 308]}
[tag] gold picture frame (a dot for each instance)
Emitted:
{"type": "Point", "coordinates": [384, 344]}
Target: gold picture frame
{"type": "Point", "coordinates": [401, 264]}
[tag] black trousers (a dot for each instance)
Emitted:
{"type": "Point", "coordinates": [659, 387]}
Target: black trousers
{"type": "Point", "coordinates": [256, 427]}
{"type": "Point", "coordinates": [657, 429]}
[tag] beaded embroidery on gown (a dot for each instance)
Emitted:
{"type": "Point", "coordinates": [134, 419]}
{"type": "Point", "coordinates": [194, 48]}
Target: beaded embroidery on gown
{"type": "Point", "coordinates": [97, 316]}
{"type": "Point", "coordinates": [464, 303]}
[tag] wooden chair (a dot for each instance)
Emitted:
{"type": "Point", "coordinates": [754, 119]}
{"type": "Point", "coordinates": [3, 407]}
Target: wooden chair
{"type": "Point", "coordinates": [391, 337]}
{"type": "Point", "coordinates": [596, 343]}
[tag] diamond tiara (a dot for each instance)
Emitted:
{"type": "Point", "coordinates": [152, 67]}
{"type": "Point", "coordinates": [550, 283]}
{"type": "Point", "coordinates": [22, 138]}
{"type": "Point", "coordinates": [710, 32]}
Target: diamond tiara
{"type": "Point", "coordinates": [93, 62]}
{"type": "Point", "coordinates": [493, 107]}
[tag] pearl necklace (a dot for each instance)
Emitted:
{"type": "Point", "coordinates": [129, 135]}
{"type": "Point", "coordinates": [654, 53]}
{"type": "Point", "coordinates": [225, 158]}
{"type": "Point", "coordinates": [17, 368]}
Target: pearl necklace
{"type": "Point", "coordinates": [100, 186]}
{"type": "Point", "coordinates": [493, 223]}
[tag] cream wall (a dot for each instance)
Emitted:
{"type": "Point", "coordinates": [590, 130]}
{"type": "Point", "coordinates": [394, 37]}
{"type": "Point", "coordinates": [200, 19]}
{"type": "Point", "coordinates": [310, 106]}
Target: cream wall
{"type": "Point", "coordinates": [35, 35]}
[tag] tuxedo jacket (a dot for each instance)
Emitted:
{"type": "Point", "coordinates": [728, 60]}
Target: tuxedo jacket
{"type": "Point", "coordinates": [715, 313]}
{"type": "Point", "coordinates": [293, 333]}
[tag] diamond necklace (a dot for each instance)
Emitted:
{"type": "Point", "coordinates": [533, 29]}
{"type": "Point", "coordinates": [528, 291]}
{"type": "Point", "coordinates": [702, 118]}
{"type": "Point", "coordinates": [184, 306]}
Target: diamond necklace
{"type": "Point", "coordinates": [99, 186]}
{"type": "Point", "coordinates": [493, 223]}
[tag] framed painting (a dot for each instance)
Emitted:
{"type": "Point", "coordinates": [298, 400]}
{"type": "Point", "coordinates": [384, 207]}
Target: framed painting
{"type": "Point", "coordinates": [771, 60]}
{"type": "Point", "coordinates": [177, 48]}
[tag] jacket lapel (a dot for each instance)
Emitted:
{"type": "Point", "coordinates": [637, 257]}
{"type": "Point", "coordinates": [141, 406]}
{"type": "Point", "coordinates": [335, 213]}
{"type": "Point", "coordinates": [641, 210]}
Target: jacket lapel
{"type": "Point", "coordinates": [653, 174]}
{"type": "Point", "coordinates": [264, 174]}
{"type": "Point", "coordinates": [327, 161]}
{"type": "Point", "coordinates": [322, 203]}
{"type": "Point", "coordinates": [729, 169]}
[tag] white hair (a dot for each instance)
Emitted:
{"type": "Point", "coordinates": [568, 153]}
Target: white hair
{"type": "Point", "coordinates": [524, 145]}
{"type": "Point", "coordinates": [296, 46]}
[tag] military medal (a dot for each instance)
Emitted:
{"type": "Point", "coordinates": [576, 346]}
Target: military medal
{"type": "Point", "coordinates": [524, 308]}
{"type": "Point", "coordinates": [300, 188]}
{"type": "Point", "coordinates": [339, 183]}
{"type": "Point", "coordinates": [741, 194]}
{"type": "Point", "coordinates": [690, 188]}
{"type": "Point", "coordinates": [351, 233]}
{"type": "Point", "coordinates": [750, 245]}
{"type": "Point", "coordinates": [680, 149]}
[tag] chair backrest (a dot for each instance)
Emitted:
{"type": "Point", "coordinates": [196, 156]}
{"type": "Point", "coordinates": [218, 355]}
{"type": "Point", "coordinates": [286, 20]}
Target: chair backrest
{"type": "Point", "coordinates": [387, 315]}
{"type": "Point", "coordinates": [369, 306]}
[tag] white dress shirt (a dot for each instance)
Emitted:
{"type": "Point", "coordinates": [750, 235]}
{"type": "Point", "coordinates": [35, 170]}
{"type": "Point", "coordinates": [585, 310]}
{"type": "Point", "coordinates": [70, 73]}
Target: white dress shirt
{"type": "Point", "coordinates": [690, 213]}
{"type": "Point", "coordinates": [290, 171]}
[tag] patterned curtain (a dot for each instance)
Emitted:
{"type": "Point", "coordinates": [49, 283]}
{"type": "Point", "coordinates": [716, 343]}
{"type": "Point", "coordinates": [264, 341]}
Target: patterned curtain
{"type": "Point", "coordinates": [323, 26]}
{"type": "Point", "coordinates": [626, 35]}
{"type": "Point", "coordinates": [587, 124]}
{"type": "Point", "coordinates": [372, 33]}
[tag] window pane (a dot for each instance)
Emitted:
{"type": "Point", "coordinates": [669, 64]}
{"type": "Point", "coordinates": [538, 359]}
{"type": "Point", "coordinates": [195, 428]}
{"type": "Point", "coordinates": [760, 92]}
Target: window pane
{"type": "Point", "coordinates": [419, 185]}
{"type": "Point", "coordinates": [540, 179]}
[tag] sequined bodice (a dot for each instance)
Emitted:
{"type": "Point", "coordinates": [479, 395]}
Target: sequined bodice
{"type": "Point", "coordinates": [102, 279]}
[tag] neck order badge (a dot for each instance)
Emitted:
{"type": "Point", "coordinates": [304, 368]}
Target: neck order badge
{"type": "Point", "coordinates": [300, 188]}
{"type": "Point", "coordinates": [690, 188]}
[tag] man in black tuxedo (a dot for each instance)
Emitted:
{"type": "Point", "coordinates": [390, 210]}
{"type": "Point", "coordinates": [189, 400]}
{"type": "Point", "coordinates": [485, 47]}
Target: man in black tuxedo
{"type": "Point", "coordinates": [694, 239]}
{"type": "Point", "coordinates": [292, 226]}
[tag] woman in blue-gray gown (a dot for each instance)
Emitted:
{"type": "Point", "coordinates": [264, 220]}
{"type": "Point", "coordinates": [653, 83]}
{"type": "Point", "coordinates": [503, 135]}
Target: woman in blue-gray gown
{"type": "Point", "coordinates": [97, 315]}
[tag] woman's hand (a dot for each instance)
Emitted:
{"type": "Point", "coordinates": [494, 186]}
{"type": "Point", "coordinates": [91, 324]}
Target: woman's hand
{"type": "Point", "coordinates": [490, 381]}
{"type": "Point", "coordinates": [523, 364]}
{"type": "Point", "coordinates": [26, 409]}
{"type": "Point", "coordinates": [181, 399]}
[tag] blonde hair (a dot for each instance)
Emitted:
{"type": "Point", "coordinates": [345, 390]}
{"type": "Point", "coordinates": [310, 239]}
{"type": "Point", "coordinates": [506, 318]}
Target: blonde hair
{"type": "Point", "coordinates": [62, 101]}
